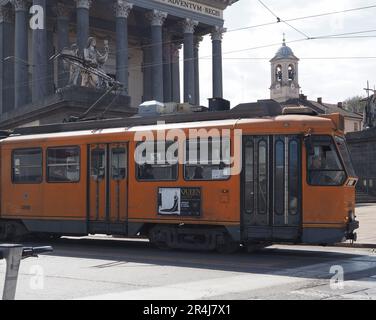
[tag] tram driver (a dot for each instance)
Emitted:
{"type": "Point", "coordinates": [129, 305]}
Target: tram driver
{"type": "Point", "coordinates": [319, 172]}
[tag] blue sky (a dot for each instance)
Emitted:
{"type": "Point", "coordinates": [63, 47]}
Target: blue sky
{"type": "Point", "coordinates": [248, 80]}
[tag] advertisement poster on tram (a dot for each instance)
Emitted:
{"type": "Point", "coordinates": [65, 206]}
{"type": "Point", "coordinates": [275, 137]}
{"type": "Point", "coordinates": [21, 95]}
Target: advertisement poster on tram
{"type": "Point", "coordinates": [179, 201]}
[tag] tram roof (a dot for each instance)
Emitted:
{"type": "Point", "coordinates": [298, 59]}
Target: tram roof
{"type": "Point", "coordinates": [261, 110]}
{"type": "Point", "coordinates": [300, 122]}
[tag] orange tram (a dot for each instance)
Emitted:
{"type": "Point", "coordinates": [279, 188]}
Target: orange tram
{"type": "Point", "coordinates": [291, 181]}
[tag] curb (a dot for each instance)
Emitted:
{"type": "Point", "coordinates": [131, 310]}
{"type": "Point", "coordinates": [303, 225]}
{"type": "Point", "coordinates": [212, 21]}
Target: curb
{"type": "Point", "coordinates": [356, 245]}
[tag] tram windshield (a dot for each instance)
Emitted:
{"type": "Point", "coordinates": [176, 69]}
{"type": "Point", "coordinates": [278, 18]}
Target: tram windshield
{"type": "Point", "coordinates": [345, 153]}
{"type": "Point", "coordinates": [324, 164]}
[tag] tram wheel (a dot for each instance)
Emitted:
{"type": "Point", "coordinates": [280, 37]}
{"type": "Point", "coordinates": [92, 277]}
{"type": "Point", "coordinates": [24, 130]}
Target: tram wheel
{"type": "Point", "coordinates": [227, 246]}
{"type": "Point", "coordinates": [158, 238]}
{"type": "Point", "coordinates": [8, 231]}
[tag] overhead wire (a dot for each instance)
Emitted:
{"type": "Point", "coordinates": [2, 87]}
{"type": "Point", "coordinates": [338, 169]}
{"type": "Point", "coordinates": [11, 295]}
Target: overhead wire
{"type": "Point", "coordinates": [303, 18]}
{"type": "Point", "coordinates": [305, 58]}
{"type": "Point", "coordinates": [259, 25]}
{"type": "Point", "coordinates": [131, 68]}
{"type": "Point", "coordinates": [281, 20]}
{"type": "Point", "coordinates": [178, 41]}
{"type": "Point", "coordinates": [335, 36]}
{"type": "Point", "coordinates": [135, 67]}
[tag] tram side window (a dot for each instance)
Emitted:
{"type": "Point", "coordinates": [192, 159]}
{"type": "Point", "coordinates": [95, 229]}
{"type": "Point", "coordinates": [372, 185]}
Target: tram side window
{"type": "Point", "coordinates": [324, 165]}
{"type": "Point", "coordinates": [207, 159]}
{"type": "Point", "coordinates": [98, 164]}
{"type": "Point", "coordinates": [119, 163]}
{"type": "Point", "coordinates": [249, 189]}
{"type": "Point", "coordinates": [279, 173]}
{"type": "Point", "coordinates": [262, 177]}
{"type": "Point", "coordinates": [293, 177]}
{"type": "Point", "coordinates": [157, 161]}
{"type": "Point", "coordinates": [63, 164]}
{"type": "Point", "coordinates": [27, 166]}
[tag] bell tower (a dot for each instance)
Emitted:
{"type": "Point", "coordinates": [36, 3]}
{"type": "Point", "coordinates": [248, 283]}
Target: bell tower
{"type": "Point", "coordinates": [285, 76]}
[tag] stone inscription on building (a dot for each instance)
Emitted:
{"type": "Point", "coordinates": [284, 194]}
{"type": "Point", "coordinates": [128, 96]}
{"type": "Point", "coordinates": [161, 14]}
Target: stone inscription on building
{"type": "Point", "coordinates": [195, 7]}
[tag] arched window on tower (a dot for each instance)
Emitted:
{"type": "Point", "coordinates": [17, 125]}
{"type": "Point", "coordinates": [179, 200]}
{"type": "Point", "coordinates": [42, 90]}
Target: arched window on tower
{"type": "Point", "coordinates": [291, 71]}
{"type": "Point", "coordinates": [278, 73]}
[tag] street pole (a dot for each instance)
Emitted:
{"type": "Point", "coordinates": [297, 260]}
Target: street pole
{"type": "Point", "coordinates": [12, 253]}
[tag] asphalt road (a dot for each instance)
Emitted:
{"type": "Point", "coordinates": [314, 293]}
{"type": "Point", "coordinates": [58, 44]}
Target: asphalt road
{"type": "Point", "coordinates": [106, 268]}
{"type": "Point", "coordinates": [119, 269]}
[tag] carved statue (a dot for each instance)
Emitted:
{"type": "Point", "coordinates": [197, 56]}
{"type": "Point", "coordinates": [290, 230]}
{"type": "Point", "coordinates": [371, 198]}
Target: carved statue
{"type": "Point", "coordinates": [96, 60]}
{"type": "Point", "coordinates": [74, 70]}
{"type": "Point", "coordinates": [373, 109]}
{"type": "Point", "coordinates": [102, 82]}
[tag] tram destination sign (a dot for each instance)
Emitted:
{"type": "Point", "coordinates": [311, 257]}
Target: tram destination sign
{"type": "Point", "coordinates": [194, 7]}
{"type": "Point", "coordinates": [184, 202]}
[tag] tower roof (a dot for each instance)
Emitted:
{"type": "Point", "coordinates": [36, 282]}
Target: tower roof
{"type": "Point", "coordinates": [284, 52]}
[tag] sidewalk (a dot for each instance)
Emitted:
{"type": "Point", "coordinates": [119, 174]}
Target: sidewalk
{"type": "Point", "coordinates": [366, 215]}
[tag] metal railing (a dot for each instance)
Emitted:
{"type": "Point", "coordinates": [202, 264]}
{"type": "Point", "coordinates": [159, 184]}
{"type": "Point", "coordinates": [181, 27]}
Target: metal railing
{"type": "Point", "coordinates": [13, 254]}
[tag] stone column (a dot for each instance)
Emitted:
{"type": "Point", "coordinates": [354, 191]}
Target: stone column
{"type": "Point", "coordinates": [167, 76]}
{"type": "Point", "coordinates": [217, 36]}
{"type": "Point", "coordinates": [189, 26]}
{"type": "Point", "coordinates": [175, 70]}
{"type": "Point", "coordinates": [122, 10]}
{"type": "Point", "coordinates": [157, 19]}
{"type": "Point", "coordinates": [146, 70]}
{"type": "Point", "coordinates": [83, 25]}
{"type": "Point", "coordinates": [40, 60]}
{"type": "Point", "coordinates": [21, 56]}
{"type": "Point", "coordinates": [63, 14]}
{"type": "Point", "coordinates": [6, 66]}
{"type": "Point", "coordinates": [197, 69]}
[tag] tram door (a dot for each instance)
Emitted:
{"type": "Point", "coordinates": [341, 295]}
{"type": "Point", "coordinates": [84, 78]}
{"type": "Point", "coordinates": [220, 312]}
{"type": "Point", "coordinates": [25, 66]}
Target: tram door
{"type": "Point", "coordinates": [271, 184]}
{"type": "Point", "coordinates": [108, 188]}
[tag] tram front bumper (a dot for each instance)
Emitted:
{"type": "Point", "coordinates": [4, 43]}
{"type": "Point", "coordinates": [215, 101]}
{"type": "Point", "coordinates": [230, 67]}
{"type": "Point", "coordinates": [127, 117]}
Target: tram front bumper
{"type": "Point", "coordinates": [327, 236]}
{"type": "Point", "coordinates": [351, 227]}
